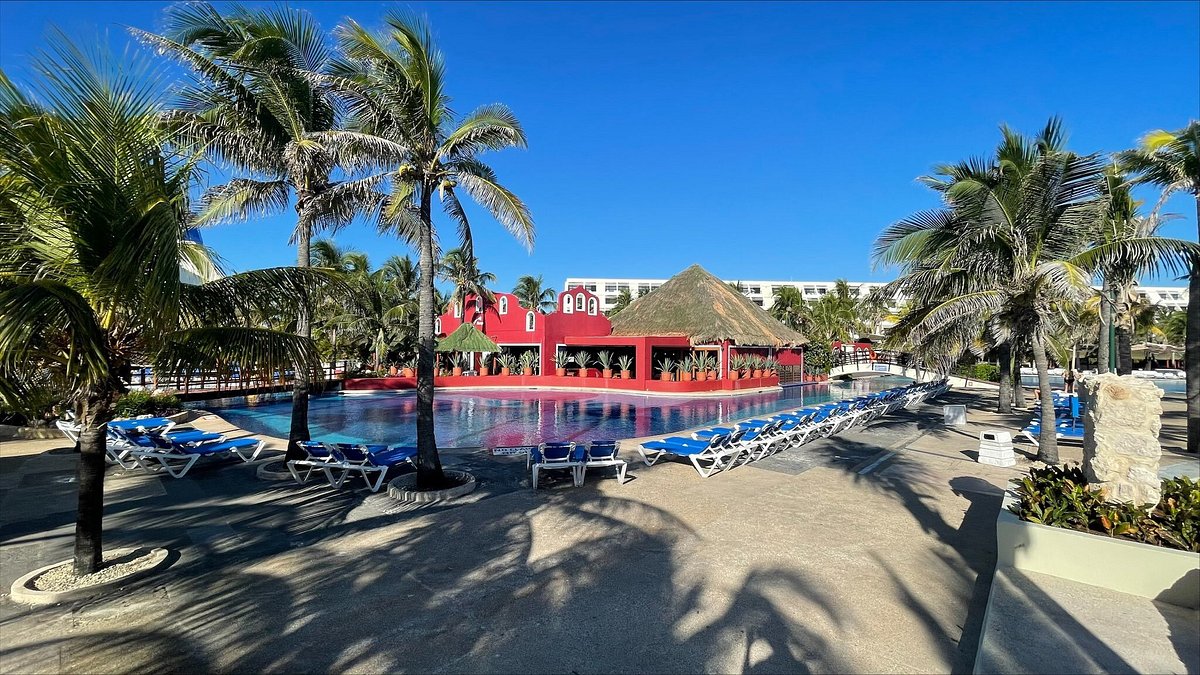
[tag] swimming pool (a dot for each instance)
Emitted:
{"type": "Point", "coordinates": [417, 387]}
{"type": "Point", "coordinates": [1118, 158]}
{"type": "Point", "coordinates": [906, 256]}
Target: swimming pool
{"type": "Point", "coordinates": [1169, 386]}
{"type": "Point", "coordinates": [518, 417]}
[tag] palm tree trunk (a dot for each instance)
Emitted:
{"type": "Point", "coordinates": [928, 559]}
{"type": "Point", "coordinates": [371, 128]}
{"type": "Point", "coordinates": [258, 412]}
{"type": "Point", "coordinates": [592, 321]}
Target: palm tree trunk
{"type": "Point", "coordinates": [429, 465]}
{"type": "Point", "coordinates": [1192, 349]}
{"type": "Point", "coordinates": [1124, 350]}
{"type": "Point", "coordinates": [1047, 443]}
{"type": "Point", "coordinates": [299, 427]}
{"type": "Point", "coordinates": [1004, 352]}
{"type": "Point", "coordinates": [1106, 317]}
{"type": "Point", "coordinates": [1018, 393]}
{"type": "Point", "coordinates": [90, 475]}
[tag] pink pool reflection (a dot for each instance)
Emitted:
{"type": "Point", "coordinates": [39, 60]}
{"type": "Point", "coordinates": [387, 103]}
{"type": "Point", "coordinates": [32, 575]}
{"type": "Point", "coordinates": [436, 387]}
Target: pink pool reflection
{"type": "Point", "coordinates": [518, 417]}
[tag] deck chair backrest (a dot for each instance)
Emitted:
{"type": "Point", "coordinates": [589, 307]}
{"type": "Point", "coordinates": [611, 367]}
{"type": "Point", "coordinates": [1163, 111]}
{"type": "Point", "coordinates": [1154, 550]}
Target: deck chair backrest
{"type": "Point", "coordinates": [602, 450]}
{"type": "Point", "coordinates": [353, 452]}
{"type": "Point", "coordinates": [315, 449]}
{"type": "Point", "coordinates": [556, 452]}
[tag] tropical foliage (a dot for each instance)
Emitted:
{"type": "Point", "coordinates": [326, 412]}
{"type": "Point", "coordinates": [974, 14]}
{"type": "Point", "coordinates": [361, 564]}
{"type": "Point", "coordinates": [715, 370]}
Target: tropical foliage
{"type": "Point", "coordinates": [1171, 160]}
{"type": "Point", "coordinates": [533, 293]}
{"type": "Point", "coordinates": [1015, 242]}
{"type": "Point", "coordinates": [94, 220]}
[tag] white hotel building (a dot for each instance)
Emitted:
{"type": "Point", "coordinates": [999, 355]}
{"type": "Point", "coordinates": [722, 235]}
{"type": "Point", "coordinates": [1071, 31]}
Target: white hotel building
{"type": "Point", "coordinates": [762, 293]}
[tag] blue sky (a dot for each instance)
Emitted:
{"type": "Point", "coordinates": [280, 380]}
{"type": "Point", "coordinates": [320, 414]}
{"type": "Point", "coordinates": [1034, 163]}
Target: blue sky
{"type": "Point", "coordinates": [764, 141]}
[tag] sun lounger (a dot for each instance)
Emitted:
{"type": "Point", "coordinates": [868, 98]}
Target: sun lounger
{"type": "Point", "coordinates": [178, 458]}
{"type": "Point", "coordinates": [368, 460]}
{"type": "Point", "coordinates": [709, 456]}
{"type": "Point", "coordinates": [602, 454]}
{"type": "Point", "coordinates": [555, 456]}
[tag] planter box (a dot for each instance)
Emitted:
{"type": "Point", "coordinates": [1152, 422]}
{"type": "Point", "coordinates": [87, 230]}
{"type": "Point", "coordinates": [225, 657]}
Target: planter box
{"type": "Point", "coordinates": [1165, 574]}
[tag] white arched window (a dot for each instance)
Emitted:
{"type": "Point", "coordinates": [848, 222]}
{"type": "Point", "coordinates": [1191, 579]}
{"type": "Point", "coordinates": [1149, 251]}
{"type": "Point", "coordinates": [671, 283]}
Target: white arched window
{"type": "Point", "coordinates": [503, 304]}
{"type": "Point", "coordinates": [579, 302]}
{"type": "Point", "coordinates": [437, 326]}
{"type": "Point", "coordinates": [457, 311]}
{"type": "Point", "coordinates": [530, 319]}
{"type": "Point", "coordinates": [478, 305]}
{"type": "Point", "coordinates": [568, 305]}
{"type": "Point", "coordinates": [592, 306]}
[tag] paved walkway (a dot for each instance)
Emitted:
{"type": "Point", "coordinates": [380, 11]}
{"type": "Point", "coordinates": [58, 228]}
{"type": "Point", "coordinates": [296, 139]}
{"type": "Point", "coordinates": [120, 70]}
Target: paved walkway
{"type": "Point", "coordinates": [841, 557]}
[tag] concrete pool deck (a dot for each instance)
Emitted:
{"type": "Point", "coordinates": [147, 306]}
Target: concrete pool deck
{"type": "Point", "coordinates": [842, 557]}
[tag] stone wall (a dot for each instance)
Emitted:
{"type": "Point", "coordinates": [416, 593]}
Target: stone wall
{"type": "Point", "coordinates": [1120, 444]}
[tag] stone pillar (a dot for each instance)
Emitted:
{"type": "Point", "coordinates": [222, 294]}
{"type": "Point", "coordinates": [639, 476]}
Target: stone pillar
{"type": "Point", "coordinates": [1120, 443]}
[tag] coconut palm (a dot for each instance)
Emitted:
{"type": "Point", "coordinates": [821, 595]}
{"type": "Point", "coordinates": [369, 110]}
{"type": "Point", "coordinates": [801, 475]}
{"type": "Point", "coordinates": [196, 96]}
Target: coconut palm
{"type": "Point", "coordinates": [257, 106]}
{"type": "Point", "coordinates": [624, 298]}
{"type": "Point", "coordinates": [394, 87]}
{"type": "Point", "coordinates": [533, 293]}
{"type": "Point", "coordinates": [1171, 160]}
{"type": "Point", "coordinates": [790, 308]}
{"type": "Point", "coordinates": [460, 267]}
{"type": "Point", "coordinates": [1002, 250]}
{"type": "Point", "coordinates": [94, 217]}
{"type": "Point", "coordinates": [326, 253]}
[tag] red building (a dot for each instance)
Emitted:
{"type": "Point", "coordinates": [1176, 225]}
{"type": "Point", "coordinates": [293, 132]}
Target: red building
{"type": "Point", "coordinates": [692, 314]}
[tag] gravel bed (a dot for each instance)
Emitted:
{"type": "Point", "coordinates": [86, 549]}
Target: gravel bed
{"type": "Point", "coordinates": [115, 566]}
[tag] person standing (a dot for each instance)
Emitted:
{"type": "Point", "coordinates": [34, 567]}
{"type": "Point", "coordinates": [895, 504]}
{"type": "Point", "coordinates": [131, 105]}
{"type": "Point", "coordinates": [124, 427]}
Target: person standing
{"type": "Point", "coordinates": [1069, 381]}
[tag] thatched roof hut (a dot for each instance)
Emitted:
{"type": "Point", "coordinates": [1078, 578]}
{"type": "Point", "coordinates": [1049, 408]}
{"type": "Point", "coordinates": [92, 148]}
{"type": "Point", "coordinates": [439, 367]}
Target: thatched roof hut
{"type": "Point", "coordinates": [700, 306]}
{"type": "Point", "coordinates": [466, 338]}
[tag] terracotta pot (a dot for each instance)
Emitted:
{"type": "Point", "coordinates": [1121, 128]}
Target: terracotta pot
{"type": "Point", "coordinates": [701, 376]}
{"type": "Point", "coordinates": [528, 372]}
{"type": "Point", "coordinates": [457, 371]}
{"type": "Point", "coordinates": [392, 371]}
{"type": "Point", "coordinates": [685, 376]}
{"type": "Point", "coordinates": [712, 374]}
{"type": "Point", "coordinates": [483, 370]}
{"type": "Point", "coordinates": [407, 372]}
{"type": "Point", "coordinates": [583, 372]}
{"type": "Point", "coordinates": [665, 377]}
{"type": "Point", "coordinates": [733, 374]}
{"type": "Point", "coordinates": [504, 372]}
{"type": "Point", "coordinates": [607, 373]}
{"type": "Point", "coordinates": [757, 372]}
{"type": "Point", "coordinates": [561, 372]}
{"type": "Point", "coordinates": [626, 375]}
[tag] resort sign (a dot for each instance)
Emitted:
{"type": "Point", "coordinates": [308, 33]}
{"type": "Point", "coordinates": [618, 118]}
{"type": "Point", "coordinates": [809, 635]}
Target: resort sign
{"type": "Point", "coordinates": [513, 450]}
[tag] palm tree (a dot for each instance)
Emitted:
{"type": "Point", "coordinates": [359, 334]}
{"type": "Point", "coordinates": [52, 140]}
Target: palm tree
{"type": "Point", "coordinates": [532, 292]}
{"type": "Point", "coordinates": [257, 106]}
{"type": "Point", "coordinates": [394, 87]}
{"type": "Point", "coordinates": [624, 298]}
{"type": "Point", "coordinates": [460, 267]}
{"type": "Point", "coordinates": [790, 308]}
{"type": "Point", "coordinates": [95, 215]}
{"type": "Point", "coordinates": [1002, 250]}
{"type": "Point", "coordinates": [1171, 160]}
{"type": "Point", "coordinates": [326, 253]}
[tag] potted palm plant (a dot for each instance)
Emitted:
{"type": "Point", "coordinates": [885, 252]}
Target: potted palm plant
{"type": "Point", "coordinates": [560, 363]}
{"type": "Point", "coordinates": [735, 365]}
{"type": "Point", "coordinates": [528, 358]}
{"type": "Point", "coordinates": [409, 368]}
{"type": "Point", "coordinates": [605, 359]}
{"type": "Point", "coordinates": [459, 361]}
{"type": "Point", "coordinates": [698, 362]}
{"type": "Point", "coordinates": [683, 369]}
{"type": "Point", "coordinates": [484, 369]}
{"type": "Point", "coordinates": [665, 366]}
{"type": "Point", "coordinates": [758, 363]}
{"type": "Point", "coordinates": [624, 363]}
{"type": "Point", "coordinates": [711, 365]}
{"type": "Point", "coordinates": [771, 367]}
{"type": "Point", "coordinates": [582, 360]}
{"type": "Point", "coordinates": [506, 364]}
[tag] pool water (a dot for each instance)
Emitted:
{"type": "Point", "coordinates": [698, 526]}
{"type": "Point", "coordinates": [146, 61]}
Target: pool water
{"type": "Point", "coordinates": [519, 417]}
{"type": "Point", "coordinates": [1056, 381]}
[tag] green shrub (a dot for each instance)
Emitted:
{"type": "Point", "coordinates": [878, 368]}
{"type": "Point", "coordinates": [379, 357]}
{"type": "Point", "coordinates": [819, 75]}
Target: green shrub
{"type": "Point", "coordinates": [137, 403]}
{"type": "Point", "coordinates": [1060, 497]}
{"type": "Point", "coordinates": [986, 372]}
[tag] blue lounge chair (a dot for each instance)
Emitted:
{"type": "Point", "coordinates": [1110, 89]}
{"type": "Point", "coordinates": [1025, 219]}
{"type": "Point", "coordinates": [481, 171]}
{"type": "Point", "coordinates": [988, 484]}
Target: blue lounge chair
{"type": "Point", "coordinates": [554, 456]}
{"type": "Point", "coordinates": [370, 459]}
{"type": "Point", "coordinates": [602, 454]}
{"type": "Point", "coordinates": [177, 458]}
{"type": "Point", "coordinates": [708, 456]}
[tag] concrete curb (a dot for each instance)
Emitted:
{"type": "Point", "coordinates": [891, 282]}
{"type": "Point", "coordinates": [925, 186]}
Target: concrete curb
{"type": "Point", "coordinates": [403, 488]}
{"type": "Point", "coordinates": [267, 472]}
{"type": "Point", "coordinates": [23, 591]}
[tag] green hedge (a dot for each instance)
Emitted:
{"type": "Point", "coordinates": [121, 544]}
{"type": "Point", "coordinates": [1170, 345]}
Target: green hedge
{"type": "Point", "coordinates": [144, 403]}
{"type": "Point", "coordinates": [987, 372]}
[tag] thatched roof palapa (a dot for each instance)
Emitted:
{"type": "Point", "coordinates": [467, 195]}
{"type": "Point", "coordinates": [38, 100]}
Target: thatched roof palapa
{"type": "Point", "coordinates": [700, 306]}
{"type": "Point", "coordinates": [466, 338]}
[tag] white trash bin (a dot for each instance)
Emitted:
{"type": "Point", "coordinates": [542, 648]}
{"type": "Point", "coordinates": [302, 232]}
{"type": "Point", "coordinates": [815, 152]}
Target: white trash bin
{"type": "Point", "coordinates": [996, 448]}
{"type": "Point", "coordinates": [955, 415]}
